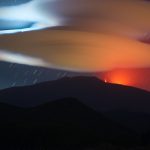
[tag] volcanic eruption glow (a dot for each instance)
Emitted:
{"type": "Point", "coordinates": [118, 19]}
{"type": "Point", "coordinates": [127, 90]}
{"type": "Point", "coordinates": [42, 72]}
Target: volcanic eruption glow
{"type": "Point", "coordinates": [123, 77]}
{"type": "Point", "coordinates": [135, 77]}
{"type": "Point", "coordinates": [120, 78]}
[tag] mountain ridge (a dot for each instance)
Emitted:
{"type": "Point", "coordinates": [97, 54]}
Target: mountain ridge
{"type": "Point", "coordinates": [91, 91]}
{"type": "Point", "coordinates": [65, 122]}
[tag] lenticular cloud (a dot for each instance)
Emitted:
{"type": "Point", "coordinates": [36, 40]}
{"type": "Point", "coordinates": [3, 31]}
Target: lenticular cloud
{"type": "Point", "coordinates": [79, 35]}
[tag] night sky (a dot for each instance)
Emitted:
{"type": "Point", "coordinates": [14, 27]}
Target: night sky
{"type": "Point", "coordinates": [49, 40]}
{"type": "Point", "coordinates": [12, 75]}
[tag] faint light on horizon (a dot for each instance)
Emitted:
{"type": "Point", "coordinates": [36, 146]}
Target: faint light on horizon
{"type": "Point", "coordinates": [105, 80]}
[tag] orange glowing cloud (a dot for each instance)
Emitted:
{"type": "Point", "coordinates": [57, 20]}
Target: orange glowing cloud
{"type": "Point", "coordinates": [79, 51]}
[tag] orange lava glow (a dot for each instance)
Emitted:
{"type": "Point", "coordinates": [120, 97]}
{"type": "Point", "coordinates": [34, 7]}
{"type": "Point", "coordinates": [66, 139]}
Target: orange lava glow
{"type": "Point", "coordinates": [135, 77]}
{"type": "Point", "coordinates": [119, 77]}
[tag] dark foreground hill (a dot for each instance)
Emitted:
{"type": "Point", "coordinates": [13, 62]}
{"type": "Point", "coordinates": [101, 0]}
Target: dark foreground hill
{"type": "Point", "coordinates": [65, 123]}
{"type": "Point", "coordinates": [99, 114]}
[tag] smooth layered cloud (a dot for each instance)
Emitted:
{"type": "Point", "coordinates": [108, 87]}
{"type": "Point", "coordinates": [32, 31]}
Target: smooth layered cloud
{"type": "Point", "coordinates": [95, 35]}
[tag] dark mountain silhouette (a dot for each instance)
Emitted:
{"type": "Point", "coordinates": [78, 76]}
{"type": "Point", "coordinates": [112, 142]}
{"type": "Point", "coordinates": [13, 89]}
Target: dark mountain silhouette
{"type": "Point", "coordinates": [41, 115]}
{"type": "Point", "coordinates": [62, 123]}
{"type": "Point", "coordinates": [89, 90]}
{"type": "Point", "coordinates": [8, 112]}
{"type": "Point", "coordinates": [136, 121]}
